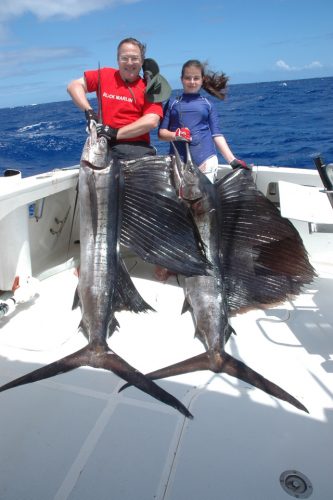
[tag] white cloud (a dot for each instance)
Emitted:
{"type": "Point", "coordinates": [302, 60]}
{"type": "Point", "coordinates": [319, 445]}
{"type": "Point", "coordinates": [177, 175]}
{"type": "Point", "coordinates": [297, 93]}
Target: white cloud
{"type": "Point", "coordinates": [285, 66]}
{"type": "Point", "coordinates": [314, 64]}
{"type": "Point", "coordinates": [44, 9]}
{"type": "Point", "coordinates": [14, 63]}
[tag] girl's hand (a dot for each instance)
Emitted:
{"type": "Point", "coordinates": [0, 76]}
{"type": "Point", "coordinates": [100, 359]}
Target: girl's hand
{"type": "Point", "coordinates": [239, 164]}
{"type": "Point", "coordinates": [183, 134]}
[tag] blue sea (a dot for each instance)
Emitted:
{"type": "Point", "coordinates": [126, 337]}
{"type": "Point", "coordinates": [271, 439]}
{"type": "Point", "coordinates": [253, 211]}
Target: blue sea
{"type": "Point", "coordinates": [275, 123]}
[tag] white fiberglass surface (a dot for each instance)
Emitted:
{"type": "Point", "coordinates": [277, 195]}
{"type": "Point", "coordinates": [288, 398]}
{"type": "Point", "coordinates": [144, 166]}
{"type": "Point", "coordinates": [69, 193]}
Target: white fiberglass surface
{"type": "Point", "coordinates": [75, 437]}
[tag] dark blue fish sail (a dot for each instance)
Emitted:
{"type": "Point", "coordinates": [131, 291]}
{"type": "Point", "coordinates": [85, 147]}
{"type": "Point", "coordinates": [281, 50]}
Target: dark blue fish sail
{"type": "Point", "coordinates": [264, 259]}
{"type": "Point", "coordinates": [108, 196]}
{"type": "Point", "coordinates": [156, 225]}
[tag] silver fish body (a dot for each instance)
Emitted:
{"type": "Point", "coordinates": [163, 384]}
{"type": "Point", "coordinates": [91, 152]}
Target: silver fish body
{"type": "Point", "coordinates": [205, 295]}
{"type": "Point", "coordinates": [99, 260]}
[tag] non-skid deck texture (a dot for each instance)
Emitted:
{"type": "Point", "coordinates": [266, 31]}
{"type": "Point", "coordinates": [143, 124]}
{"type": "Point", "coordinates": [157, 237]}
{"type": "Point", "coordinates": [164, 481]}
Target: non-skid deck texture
{"type": "Point", "coordinates": [74, 437]}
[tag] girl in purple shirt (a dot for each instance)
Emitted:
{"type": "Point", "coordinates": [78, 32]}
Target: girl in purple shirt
{"type": "Point", "coordinates": [193, 118]}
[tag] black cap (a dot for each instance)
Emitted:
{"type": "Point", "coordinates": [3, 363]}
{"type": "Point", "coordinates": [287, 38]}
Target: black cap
{"type": "Point", "coordinates": [158, 88]}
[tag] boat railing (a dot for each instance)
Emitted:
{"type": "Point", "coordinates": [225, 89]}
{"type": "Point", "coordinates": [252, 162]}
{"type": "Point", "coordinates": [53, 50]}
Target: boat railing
{"type": "Point", "coordinates": [35, 216]}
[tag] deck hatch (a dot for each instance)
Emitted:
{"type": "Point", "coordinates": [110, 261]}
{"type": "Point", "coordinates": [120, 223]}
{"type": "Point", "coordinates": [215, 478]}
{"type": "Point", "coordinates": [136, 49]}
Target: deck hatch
{"type": "Point", "coordinates": [296, 484]}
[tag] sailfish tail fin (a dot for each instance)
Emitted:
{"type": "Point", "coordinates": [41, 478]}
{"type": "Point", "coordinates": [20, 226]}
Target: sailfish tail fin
{"type": "Point", "coordinates": [101, 357]}
{"type": "Point", "coordinates": [222, 362]}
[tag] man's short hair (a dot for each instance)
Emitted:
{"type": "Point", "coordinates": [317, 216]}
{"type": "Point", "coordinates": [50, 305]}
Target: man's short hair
{"type": "Point", "coordinates": [133, 41]}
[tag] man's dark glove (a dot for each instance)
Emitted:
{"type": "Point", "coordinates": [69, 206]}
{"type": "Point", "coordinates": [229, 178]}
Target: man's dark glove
{"type": "Point", "coordinates": [91, 116]}
{"type": "Point", "coordinates": [239, 164]}
{"type": "Point", "coordinates": [108, 132]}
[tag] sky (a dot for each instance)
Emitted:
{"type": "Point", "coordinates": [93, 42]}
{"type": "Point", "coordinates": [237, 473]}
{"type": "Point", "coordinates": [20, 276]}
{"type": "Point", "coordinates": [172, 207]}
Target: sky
{"type": "Point", "coordinates": [44, 44]}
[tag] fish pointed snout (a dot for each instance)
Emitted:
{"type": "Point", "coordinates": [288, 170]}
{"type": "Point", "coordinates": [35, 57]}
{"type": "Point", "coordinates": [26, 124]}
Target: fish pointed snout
{"type": "Point", "coordinates": [93, 133]}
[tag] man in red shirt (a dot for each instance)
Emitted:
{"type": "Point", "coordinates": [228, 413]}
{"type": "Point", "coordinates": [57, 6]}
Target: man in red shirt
{"type": "Point", "coordinates": [126, 116]}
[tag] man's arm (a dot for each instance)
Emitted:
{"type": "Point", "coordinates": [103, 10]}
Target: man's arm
{"type": "Point", "coordinates": [77, 89]}
{"type": "Point", "coordinates": [140, 127]}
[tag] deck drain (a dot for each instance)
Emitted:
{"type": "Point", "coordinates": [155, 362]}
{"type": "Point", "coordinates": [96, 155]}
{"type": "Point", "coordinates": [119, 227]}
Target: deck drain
{"type": "Point", "coordinates": [296, 484]}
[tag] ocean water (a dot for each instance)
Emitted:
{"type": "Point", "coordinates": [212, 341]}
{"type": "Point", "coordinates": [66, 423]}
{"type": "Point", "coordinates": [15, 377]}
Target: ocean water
{"type": "Point", "coordinates": [275, 123]}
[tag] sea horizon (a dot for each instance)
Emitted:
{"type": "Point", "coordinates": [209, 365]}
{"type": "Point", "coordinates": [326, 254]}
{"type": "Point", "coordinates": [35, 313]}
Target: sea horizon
{"type": "Point", "coordinates": [178, 90]}
{"type": "Point", "coordinates": [279, 123]}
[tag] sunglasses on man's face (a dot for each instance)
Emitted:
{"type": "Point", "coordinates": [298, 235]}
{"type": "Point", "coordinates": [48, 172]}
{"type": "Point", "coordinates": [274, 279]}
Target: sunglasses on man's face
{"type": "Point", "coordinates": [126, 59]}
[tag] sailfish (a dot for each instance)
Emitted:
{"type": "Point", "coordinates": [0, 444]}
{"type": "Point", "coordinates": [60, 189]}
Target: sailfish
{"type": "Point", "coordinates": [258, 260]}
{"type": "Point", "coordinates": [132, 204]}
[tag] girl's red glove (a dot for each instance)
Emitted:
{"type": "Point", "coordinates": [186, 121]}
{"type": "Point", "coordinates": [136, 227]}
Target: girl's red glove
{"type": "Point", "coordinates": [183, 134]}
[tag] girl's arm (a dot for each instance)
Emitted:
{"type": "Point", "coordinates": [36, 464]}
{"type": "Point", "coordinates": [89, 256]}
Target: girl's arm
{"type": "Point", "coordinates": [228, 155]}
{"type": "Point", "coordinates": [223, 147]}
{"type": "Point", "coordinates": [166, 135]}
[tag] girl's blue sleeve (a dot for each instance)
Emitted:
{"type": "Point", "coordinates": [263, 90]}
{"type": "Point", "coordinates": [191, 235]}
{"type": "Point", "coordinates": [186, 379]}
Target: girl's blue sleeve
{"type": "Point", "coordinates": [166, 116]}
{"type": "Point", "coordinates": [214, 122]}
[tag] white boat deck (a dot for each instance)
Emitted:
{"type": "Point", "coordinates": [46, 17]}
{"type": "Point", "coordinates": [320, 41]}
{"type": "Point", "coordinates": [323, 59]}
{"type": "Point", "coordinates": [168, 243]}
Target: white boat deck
{"type": "Point", "coordinates": [74, 437]}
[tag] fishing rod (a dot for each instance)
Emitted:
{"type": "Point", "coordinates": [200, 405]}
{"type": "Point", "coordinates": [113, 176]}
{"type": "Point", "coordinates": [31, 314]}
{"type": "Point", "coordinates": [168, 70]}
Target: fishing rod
{"type": "Point", "coordinates": [99, 95]}
{"type": "Point", "coordinates": [326, 175]}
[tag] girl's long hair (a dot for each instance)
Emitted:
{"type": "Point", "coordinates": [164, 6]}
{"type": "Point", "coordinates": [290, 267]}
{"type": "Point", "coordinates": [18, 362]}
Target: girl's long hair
{"type": "Point", "coordinates": [214, 83]}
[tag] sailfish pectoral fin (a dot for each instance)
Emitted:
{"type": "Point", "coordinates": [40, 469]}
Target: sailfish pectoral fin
{"type": "Point", "coordinates": [222, 362]}
{"type": "Point", "coordinates": [105, 358]}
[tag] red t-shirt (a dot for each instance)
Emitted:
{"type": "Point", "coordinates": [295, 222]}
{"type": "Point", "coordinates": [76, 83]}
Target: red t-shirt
{"type": "Point", "coordinates": [122, 102]}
